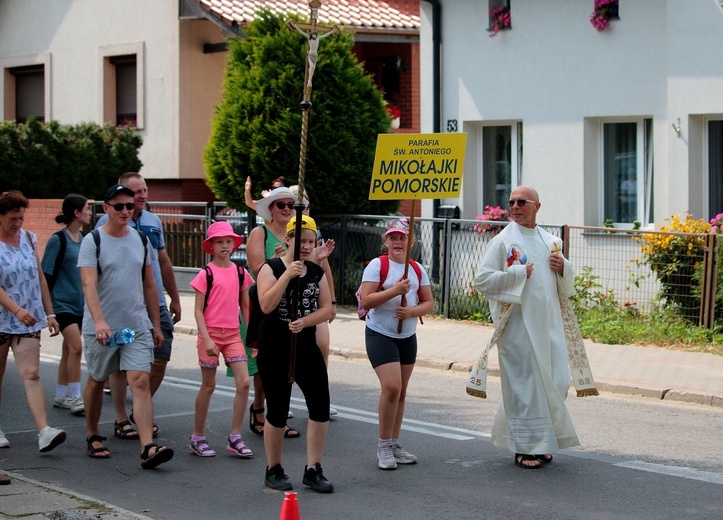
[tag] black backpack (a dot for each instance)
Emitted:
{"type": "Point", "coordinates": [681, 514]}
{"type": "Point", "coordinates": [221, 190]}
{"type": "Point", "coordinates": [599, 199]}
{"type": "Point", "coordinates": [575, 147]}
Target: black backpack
{"type": "Point", "coordinates": [209, 283]}
{"type": "Point", "coordinates": [52, 277]}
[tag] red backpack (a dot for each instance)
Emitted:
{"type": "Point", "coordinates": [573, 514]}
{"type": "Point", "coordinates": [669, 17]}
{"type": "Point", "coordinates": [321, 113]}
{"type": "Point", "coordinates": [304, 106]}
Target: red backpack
{"type": "Point", "coordinates": [383, 272]}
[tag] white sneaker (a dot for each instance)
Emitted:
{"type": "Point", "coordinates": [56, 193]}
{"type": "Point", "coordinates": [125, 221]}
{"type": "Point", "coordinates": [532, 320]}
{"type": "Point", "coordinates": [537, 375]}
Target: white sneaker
{"type": "Point", "coordinates": [385, 454]}
{"type": "Point", "coordinates": [62, 402]}
{"type": "Point", "coordinates": [4, 442]}
{"type": "Point", "coordinates": [402, 456]}
{"type": "Point", "coordinates": [333, 411]}
{"type": "Point", "coordinates": [77, 406]}
{"type": "Point", "coordinates": [49, 438]}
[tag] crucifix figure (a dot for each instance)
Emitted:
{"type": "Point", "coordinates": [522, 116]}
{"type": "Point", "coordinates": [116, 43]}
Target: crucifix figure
{"type": "Point", "coordinates": [314, 34]}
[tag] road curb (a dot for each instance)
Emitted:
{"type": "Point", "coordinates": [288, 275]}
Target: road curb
{"type": "Point", "coordinates": [87, 504]}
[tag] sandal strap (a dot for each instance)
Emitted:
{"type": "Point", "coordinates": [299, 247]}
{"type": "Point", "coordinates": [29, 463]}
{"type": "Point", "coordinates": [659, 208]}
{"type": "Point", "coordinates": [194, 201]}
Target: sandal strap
{"type": "Point", "coordinates": [147, 448]}
{"type": "Point", "coordinates": [95, 438]}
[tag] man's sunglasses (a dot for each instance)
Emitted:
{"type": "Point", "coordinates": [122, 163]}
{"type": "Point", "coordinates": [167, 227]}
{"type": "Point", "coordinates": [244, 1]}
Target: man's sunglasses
{"type": "Point", "coordinates": [282, 205]}
{"type": "Point", "coordinates": [520, 202]}
{"type": "Point", "coordinates": [118, 206]}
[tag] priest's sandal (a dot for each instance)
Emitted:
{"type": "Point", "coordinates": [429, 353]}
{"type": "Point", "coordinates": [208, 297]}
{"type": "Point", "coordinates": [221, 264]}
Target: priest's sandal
{"type": "Point", "coordinates": [521, 458]}
{"type": "Point", "coordinates": [545, 458]}
{"type": "Point", "coordinates": [97, 452]}
{"type": "Point", "coordinates": [160, 455]}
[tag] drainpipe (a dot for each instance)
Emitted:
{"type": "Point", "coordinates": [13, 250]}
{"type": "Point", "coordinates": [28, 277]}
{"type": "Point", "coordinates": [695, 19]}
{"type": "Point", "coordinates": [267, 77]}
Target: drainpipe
{"type": "Point", "coordinates": [436, 108]}
{"type": "Point", "coordinates": [436, 76]}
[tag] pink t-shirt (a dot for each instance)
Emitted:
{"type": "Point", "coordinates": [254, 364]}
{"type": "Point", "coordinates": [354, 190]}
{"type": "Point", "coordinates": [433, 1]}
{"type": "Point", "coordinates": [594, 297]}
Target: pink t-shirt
{"type": "Point", "coordinates": [222, 309]}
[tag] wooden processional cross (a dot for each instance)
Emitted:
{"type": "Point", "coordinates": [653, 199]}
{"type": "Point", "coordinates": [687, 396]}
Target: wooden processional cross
{"type": "Point", "coordinates": [313, 34]}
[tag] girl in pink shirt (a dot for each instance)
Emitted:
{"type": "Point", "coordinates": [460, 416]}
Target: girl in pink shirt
{"type": "Point", "coordinates": [217, 317]}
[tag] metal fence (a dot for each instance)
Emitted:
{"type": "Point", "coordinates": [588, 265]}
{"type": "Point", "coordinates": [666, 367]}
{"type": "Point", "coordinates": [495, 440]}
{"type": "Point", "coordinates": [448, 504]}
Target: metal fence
{"type": "Point", "coordinates": [610, 263]}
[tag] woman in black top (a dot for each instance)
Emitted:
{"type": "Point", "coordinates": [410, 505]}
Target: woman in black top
{"type": "Point", "coordinates": [276, 282]}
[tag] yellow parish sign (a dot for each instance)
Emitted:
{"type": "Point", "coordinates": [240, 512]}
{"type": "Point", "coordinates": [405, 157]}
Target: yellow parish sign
{"type": "Point", "coordinates": [418, 166]}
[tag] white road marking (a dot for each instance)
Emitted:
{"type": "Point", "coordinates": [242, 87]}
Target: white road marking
{"type": "Point", "coordinates": [673, 471]}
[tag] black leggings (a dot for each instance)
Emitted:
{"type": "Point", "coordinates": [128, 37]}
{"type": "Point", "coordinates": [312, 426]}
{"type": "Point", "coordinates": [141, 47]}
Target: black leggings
{"type": "Point", "coordinates": [310, 374]}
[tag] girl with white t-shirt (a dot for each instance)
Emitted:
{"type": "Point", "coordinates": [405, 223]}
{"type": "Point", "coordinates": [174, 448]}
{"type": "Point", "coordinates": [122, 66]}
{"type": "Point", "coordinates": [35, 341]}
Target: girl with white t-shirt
{"type": "Point", "coordinates": [392, 353]}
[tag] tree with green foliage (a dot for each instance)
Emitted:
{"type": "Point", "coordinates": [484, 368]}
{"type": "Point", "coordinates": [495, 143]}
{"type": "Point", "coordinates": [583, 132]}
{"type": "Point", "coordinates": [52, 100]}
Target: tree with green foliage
{"type": "Point", "coordinates": [257, 127]}
{"type": "Point", "coordinates": [51, 160]}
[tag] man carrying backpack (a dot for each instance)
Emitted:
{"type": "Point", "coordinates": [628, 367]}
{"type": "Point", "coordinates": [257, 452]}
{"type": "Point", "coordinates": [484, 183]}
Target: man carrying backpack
{"type": "Point", "coordinates": [144, 220]}
{"type": "Point", "coordinates": [120, 294]}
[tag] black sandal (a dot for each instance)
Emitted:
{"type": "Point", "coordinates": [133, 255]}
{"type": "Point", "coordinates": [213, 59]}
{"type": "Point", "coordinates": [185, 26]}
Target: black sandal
{"type": "Point", "coordinates": [125, 430]}
{"type": "Point", "coordinates": [520, 458]}
{"type": "Point", "coordinates": [155, 428]}
{"type": "Point", "coordinates": [161, 455]}
{"type": "Point", "coordinates": [253, 422]}
{"type": "Point", "coordinates": [291, 433]}
{"type": "Point", "coordinates": [545, 458]}
{"type": "Point", "coordinates": [93, 453]}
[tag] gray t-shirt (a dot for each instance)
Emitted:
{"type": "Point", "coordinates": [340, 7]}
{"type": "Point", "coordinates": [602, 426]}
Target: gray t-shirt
{"type": "Point", "coordinates": [120, 284]}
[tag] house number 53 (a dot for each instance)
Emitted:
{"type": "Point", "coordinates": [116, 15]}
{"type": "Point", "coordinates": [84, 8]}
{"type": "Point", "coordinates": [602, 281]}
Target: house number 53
{"type": "Point", "coordinates": [451, 125]}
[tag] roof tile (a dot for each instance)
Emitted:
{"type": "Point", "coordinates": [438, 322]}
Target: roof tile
{"type": "Point", "coordinates": [392, 14]}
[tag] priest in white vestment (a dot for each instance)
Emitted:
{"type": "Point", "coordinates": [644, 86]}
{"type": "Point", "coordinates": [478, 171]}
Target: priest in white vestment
{"type": "Point", "coordinates": [519, 269]}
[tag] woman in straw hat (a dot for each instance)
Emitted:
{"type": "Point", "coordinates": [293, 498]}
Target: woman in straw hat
{"type": "Point", "coordinates": [276, 209]}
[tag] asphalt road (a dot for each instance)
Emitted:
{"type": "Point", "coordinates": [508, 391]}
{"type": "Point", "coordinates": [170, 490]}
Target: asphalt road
{"type": "Point", "coordinates": [640, 459]}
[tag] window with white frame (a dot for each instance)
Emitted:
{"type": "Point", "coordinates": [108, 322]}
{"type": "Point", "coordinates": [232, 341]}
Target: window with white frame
{"type": "Point", "coordinates": [715, 167]}
{"type": "Point", "coordinates": [501, 162]}
{"type": "Point", "coordinates": [29, 92]}
{"type": "Point", "coordinates": [627, 171]}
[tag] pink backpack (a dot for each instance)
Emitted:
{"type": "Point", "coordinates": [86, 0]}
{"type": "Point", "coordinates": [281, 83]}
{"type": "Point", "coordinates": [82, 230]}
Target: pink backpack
{"type": "Point", "coordinates": [383, 272]}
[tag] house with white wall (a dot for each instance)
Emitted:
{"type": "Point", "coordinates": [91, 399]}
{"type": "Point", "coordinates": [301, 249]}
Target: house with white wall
{"type": "Point", "coordinates": [623, 123]}
{"type": "Point", "coordinates": [158, 65]}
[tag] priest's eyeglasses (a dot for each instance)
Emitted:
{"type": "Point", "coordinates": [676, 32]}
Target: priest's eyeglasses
{"type": "Point", "coordinates": [520, 202]}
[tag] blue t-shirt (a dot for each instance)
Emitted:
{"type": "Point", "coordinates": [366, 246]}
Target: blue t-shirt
{"type": "Point", "coordinates": [151, 225]}
{"type": "Point", "coordinates": [67, 293]}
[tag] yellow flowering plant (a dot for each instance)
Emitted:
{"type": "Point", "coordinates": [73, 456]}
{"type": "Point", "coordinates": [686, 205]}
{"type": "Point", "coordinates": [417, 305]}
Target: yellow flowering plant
{"type": "Point", "coordinates": [674, 259]}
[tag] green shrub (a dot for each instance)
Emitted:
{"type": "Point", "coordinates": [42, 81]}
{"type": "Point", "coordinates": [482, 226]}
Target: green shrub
{"type": "Point", "coordinates": [257, 127]}
{"type": "Point", "coordinates": [51, 160]}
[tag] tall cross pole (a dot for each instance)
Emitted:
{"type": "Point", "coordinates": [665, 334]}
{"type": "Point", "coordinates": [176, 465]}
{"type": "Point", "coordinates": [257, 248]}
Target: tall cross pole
{"type": "Point", "coordinates": [313, 34]}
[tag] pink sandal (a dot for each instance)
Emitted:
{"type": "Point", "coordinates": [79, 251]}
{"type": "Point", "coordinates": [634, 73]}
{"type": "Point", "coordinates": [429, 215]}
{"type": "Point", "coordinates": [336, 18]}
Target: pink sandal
{"type": "Point", "coordinates": [239, 449]}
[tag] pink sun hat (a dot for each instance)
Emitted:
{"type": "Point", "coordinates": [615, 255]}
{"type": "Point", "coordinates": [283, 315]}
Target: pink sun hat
{"type": "Point", "coordinates": [397, 225]}
{"type": "Point", "coordinates": [220, 229]}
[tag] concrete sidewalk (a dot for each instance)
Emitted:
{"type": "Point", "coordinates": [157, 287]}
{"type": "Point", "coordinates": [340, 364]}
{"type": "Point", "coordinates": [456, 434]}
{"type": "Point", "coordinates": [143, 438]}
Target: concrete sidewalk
{"type": "Point", "coordinates": [453, 345]}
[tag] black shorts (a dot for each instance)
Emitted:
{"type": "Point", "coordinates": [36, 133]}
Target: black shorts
{"type": "Point", "coordinates": [65, 318]}
{"type": "Point", "coordinates": [382, 349]}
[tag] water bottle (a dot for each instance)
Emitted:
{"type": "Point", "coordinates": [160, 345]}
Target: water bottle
{"type": "Point", "coordinates": [122, 337]}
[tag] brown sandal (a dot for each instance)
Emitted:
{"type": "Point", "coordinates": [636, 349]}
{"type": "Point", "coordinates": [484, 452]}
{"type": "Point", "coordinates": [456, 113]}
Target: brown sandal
{"type": "Point", "coordinates": [97, 453]}
{"type": "Point", "coordinates": [125, 430]}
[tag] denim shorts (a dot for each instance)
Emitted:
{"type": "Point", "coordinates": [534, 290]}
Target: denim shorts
{"type": "Point", "coordinates": [167, 329]}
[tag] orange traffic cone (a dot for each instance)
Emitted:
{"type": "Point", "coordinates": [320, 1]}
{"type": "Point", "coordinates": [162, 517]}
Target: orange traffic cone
{"type": "Point", "coordinates": [290, 507]}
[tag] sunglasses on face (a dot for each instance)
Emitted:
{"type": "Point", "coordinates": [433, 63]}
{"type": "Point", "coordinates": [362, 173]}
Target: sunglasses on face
{"type": "Point", "coordinates": [520, 202]}
{"type": "Point", "coordinates": [282, 205]}
{"type": "Point", "coordinates": [118, 206]}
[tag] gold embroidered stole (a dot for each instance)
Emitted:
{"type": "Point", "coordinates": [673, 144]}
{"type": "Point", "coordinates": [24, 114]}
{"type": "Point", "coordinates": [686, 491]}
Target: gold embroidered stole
{"type": "Point", "coordinates": [577, 356]}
